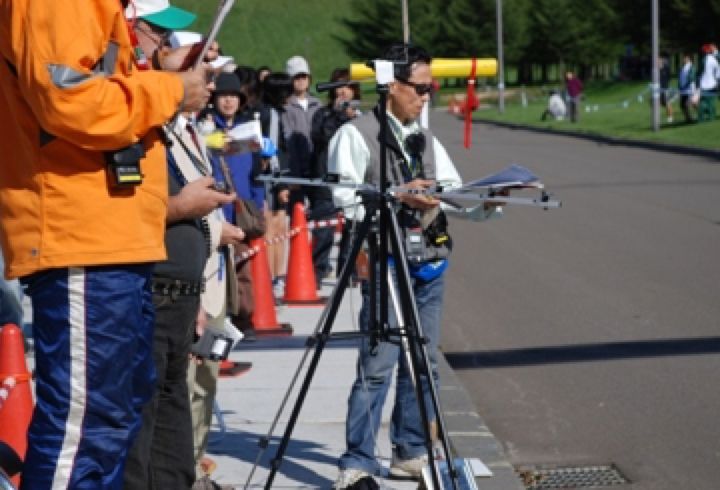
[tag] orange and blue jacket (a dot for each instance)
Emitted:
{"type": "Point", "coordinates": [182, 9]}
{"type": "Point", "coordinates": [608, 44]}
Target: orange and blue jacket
{"type": "Point", "coordinates": [69, 93]}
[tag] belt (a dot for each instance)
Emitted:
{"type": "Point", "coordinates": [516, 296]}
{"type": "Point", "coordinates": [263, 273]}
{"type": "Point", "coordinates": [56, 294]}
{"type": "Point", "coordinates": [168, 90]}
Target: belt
{"type": "Point", "coordinates": [176, 287]}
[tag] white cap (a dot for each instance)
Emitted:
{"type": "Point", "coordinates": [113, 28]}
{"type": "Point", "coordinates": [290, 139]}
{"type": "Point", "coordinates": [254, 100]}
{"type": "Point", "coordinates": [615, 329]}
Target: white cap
{"type": "Point", "coordinates": [297, 66]}
{"type": "Point", "coordinates": [186, 38]}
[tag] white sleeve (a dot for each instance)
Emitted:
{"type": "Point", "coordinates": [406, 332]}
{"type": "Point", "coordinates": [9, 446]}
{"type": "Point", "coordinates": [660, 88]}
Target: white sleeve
{"type": "Point", "coordinates": [349, 157]}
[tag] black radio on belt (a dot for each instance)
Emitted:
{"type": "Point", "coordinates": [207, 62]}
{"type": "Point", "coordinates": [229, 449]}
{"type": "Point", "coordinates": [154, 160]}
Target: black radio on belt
{"type": "Point", "coordinates": [124, 165]}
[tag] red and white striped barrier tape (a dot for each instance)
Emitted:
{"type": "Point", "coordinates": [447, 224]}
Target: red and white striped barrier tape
{"type": "Point", "coordinates": [324, 223]}
{"type": "Point", "coordinates": [311, 225]}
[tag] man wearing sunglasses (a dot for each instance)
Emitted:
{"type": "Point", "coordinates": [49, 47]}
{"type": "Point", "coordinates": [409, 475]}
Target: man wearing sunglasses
{"type": "Point", "coordinates": [417, 160]}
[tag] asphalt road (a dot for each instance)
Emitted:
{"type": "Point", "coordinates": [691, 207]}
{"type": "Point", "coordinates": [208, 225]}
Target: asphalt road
{"type": "Point", "coordinates": [589, 334]}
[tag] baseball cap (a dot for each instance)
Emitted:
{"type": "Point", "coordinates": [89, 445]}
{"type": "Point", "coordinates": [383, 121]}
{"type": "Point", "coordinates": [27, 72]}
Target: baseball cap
{"type": "Point", "coordinates": [186, 38]}
{"type": "Point", "coordinates": [160, 13]}
{"type": "Point", "coordinates": [297, 65]}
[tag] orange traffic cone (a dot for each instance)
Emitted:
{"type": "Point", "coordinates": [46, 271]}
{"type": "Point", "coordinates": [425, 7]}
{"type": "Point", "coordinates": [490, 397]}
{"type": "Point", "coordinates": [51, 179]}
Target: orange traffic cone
{"type": "Point", "coordinates": [16, 409]}
{"type": "Point", "coordinates": [263, 318]}
{"type": "Point", "coordinates": [300, 285]}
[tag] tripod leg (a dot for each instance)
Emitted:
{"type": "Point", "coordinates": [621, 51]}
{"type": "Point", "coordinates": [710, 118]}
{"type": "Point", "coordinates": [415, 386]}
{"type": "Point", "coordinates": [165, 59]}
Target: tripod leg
{"type": "Point", "coordinates": [329, 317]}
{"type": "Point", "coordinates": [418, 354]}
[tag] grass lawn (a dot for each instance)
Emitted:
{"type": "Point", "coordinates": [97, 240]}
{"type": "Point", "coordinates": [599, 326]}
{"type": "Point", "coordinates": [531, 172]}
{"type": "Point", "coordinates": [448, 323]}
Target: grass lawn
{"type": "Point", "coordinates": [268, 32]}
{"type": "Point", "coordinates": [619, 110]}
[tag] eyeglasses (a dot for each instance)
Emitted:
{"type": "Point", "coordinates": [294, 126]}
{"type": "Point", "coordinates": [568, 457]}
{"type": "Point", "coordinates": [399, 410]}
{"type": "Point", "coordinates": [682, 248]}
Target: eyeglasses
{"type": "Point", "coordinates": [158, 34]}
{"type": "Point", "coordinates": [420, 88]}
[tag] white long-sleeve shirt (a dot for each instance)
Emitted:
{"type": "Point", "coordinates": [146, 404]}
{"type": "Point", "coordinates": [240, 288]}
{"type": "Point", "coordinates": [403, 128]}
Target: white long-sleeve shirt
{"type": "Point", "coordinates": [711, 73]}
{"type": "Point", "coordinates": [349, 157]}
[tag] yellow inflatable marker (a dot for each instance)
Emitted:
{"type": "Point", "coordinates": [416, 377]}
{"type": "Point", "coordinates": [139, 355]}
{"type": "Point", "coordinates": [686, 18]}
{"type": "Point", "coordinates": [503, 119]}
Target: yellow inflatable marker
{"type": "Point", "coordinates": [441, 68]}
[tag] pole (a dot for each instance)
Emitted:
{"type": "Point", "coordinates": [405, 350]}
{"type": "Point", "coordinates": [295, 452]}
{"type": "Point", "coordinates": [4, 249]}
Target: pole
{"type": "Point", "coordinates": [501, 63]}
{"type": "Point", "coordinates": [655, 68]}
{"type": "Point", "coordinates": [406, 22]}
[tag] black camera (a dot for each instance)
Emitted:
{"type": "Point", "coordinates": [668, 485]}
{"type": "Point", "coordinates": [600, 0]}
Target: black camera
{"type": "Point", "coordinates": [353, 104]}
{"type": "Point", "coordinates": [212, 345]}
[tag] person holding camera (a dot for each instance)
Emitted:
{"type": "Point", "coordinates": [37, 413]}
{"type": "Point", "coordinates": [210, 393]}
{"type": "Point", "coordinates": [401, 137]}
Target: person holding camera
{"type": "Point", "coordinates": [416, 160]}
{"type": "Point", "coordinates": [83, 195]}
{"type": "Point", "coordinates": [342, 107]}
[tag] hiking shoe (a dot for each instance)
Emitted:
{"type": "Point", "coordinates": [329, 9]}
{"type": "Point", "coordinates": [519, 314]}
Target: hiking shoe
{"type": "Point", "coordinates": [408, 468]}
{"type": "Point", "coordinates": [348, 477]}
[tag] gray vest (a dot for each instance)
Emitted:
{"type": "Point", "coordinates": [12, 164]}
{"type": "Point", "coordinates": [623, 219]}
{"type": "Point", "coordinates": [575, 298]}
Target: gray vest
{"type": "Point", "coordinates": [369, 127]}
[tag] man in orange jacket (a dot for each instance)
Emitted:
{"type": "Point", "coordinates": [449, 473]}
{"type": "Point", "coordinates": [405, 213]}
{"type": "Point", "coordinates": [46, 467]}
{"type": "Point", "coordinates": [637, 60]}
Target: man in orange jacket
{"type": "Point", "coordinates": [83, 195]}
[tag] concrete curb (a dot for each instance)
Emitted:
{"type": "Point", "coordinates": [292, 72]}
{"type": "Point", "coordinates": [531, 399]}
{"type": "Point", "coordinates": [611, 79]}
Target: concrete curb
{"type": "Point", "coordinates": [470, 436]}
{"type": "Point", "coordinates": [609, 140]}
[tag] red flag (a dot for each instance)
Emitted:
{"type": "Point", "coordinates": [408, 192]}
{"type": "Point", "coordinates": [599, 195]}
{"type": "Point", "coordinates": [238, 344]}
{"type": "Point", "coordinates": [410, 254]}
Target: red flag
{"type": "Point", "coordinates": [471, 103]}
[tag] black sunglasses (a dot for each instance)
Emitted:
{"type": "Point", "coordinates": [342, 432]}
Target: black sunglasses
{"type": "Point", "coordinates": [420, 88]}
{"type": "Point", "coordinates": [159, 35]}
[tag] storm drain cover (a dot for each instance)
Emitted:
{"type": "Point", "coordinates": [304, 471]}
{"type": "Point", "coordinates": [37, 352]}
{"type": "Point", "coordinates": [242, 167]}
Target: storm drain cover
{"type": "Point", "coordinates": [547, 477]}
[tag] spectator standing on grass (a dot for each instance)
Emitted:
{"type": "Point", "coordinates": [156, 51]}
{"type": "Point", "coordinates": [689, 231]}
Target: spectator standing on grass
{"type": "Point", "coordinates": [574, 89]}
{"type": "Point", "coordinates": [709, 79]}
{"type": "Point", "coordinates": [686, 86]}
{"type": "Point", "coordinates": [665, 99]}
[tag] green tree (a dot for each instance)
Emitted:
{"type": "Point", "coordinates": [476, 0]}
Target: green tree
{"type": "Point", "coordinates": [687, 24]}
{"type": "Point", "coordinates": [375, 24]}
{"type": "Point", "coordinates": [570, 33]}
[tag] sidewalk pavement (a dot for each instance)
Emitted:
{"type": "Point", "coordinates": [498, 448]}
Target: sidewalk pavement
{"type": "Point", "coordinates": [249, 403]}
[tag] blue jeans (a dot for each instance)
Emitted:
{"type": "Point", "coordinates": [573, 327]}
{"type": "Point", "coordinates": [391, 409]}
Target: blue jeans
{"type": "Point", "coordinates": [376, 364]}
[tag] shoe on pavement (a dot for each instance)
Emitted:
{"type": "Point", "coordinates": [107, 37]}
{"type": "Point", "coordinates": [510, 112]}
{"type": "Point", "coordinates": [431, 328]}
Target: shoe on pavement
{"type": "Point", "coordinates": [348, 477]}
{"type": "Point", "coordinates": [408, 468]}
{"type": "Point", "coordinates": [278, 287]}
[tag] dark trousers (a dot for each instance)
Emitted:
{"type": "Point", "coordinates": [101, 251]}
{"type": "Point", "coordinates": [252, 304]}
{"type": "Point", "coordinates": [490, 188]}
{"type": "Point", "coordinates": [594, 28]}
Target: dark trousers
{"type": "Point", "coordinates": [685, 105]}
{"type": "Point", "coordinates": [162, 455]}
{"type": "Point", "coordinates": [323, 238]}
{"type": "Point", "coordinates": [574, 108]}
{"type": "Point", "coordinates": [344, 248]}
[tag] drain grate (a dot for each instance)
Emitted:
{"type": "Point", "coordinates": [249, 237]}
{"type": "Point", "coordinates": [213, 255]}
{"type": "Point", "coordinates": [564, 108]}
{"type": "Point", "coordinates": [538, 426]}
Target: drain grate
{"type": "Point", "coordinates": [548, 477]}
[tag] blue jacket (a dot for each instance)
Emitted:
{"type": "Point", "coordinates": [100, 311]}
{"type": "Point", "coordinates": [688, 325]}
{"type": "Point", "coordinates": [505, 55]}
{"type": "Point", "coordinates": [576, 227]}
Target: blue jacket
{"type": "Point", "coordinates": [242, 172]}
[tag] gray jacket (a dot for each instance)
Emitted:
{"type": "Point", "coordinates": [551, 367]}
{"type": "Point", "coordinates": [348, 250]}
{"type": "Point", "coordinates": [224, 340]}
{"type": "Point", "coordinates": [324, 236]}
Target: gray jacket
{"type": "Point", "coordinates": [297, 127]}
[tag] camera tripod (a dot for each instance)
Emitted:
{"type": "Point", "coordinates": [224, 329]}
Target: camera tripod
{"type": "Point", "coordinates": [381, 230]}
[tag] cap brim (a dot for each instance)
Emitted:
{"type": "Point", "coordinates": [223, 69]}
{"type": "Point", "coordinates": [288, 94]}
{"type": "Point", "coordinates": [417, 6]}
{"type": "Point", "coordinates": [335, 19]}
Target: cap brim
{"type": "Point", "coordinates": [171, 18]}
{"type": "Point", "coordinates": [221, 61]}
